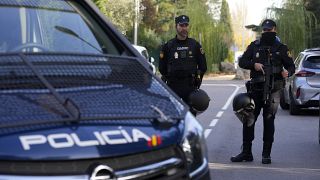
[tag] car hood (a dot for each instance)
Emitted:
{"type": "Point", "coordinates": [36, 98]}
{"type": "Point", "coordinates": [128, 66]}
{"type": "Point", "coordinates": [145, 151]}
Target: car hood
{"type": "Point", "coordinates": [83, 106]}
{"type": "Point", "coordinates": [86, 141]}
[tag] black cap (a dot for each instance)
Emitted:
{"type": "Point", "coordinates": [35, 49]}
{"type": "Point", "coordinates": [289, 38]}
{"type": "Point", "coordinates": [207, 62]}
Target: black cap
{"type": "Point", "coordinates": [183, 19]}
{"type": "Point", "coordinates": [268, 24]}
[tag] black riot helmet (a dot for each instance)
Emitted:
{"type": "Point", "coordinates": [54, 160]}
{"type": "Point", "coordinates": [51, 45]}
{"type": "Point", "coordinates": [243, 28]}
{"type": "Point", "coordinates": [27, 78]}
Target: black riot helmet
{"type": "Point", "coordinates": [198, 100]}
{"type": "Point", "coordinates": [243, 107]}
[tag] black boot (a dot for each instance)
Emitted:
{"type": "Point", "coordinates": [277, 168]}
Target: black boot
{"type": "Point", "coordinates": [266, 159]}
{"type": "Point", "coordinates": [245, 155]}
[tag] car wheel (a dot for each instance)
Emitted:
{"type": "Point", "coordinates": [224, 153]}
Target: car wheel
{"type": "Point", "coordinates": [293, 108]}
{"type": "Point", "coordinates": [283, 103]}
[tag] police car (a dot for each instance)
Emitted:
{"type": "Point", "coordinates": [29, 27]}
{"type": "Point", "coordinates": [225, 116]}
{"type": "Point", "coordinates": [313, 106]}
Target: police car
{"type": "Point", "coordinates": [78, 102]}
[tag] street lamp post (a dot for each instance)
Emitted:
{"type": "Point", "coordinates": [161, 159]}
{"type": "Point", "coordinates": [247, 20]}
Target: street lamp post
{"type": "Point", "coordinates": [136, 19]}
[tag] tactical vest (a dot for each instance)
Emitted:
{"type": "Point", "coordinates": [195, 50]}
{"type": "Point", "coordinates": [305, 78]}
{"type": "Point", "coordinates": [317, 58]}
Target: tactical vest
{"type": "Point", "coordinates": [260, 55]}
{"type": "Point", "coordinates": [182, 62]}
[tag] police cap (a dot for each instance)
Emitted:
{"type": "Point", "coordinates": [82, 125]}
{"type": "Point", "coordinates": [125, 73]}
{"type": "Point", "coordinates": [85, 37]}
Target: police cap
{"type": "Point", "coordinates": [268, 24]}
{"type": "Point", "coordinates": [183, 19]}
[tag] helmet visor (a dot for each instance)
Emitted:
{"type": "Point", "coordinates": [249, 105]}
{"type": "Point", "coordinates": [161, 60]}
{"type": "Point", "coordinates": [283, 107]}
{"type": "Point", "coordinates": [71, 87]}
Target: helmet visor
{"type": "Point", "coordinates": [246, 117]}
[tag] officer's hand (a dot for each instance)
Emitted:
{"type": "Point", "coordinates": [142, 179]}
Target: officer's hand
{"type": "Point", "coordinates": [258, 67]}
{"type": "Point", "coordinates": [197, 83]}
{"type": "Point", "coordinates": [284, 73]}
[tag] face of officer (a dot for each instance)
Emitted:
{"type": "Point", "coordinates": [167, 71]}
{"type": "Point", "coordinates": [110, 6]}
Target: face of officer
{"type": "Point", "coordinates": [268, 36]}
{"type": "Point", "coordinates": [182, 31]}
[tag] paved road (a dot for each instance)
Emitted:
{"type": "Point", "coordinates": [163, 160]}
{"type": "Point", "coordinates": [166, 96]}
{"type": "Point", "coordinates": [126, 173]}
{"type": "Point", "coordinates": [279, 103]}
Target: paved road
{"type": "Point", "coordinates": [296, 152]}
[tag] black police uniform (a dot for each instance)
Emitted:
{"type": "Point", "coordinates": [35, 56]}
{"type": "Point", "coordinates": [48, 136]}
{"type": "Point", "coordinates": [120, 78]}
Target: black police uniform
{"type": "Point", "coordinates": [180, 62]}
{"type": "Point", "coordinates": [257, 52]}
{"type": "Point", "coordinates": [280, 59]}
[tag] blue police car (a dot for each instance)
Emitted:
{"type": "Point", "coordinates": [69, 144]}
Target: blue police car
{"type": "Point", "coordinates": [78, 102]}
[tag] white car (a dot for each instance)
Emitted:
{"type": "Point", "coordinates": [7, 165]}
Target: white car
{"type": "Point", "coordinates": [303, 88]}
{"type": "Point", "coordinates": [144, 52]}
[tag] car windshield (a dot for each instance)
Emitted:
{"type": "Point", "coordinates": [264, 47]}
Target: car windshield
{"type": "Point", "coordinates": [100, 87]}
{"type": "Point", "coordinates": [312, 62]}
{"type": "Point", "coordinates": [51, 26]}
{"type": "Point", "coordinates": [54, 52]}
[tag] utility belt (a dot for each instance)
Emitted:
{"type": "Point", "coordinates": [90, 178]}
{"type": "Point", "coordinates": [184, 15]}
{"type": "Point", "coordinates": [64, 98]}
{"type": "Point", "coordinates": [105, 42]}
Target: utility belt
{"type": "Point", "coordinates": [257, 84]}
{"type": "Point", "coordinates": [190, 80]}
{"type": "Point", "coordinates": [276, 70]}
{"type": "Point", "coordinates": [180, 78]}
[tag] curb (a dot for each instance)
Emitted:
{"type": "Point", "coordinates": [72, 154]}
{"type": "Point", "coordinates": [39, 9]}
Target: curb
{"type": "Point", "coordinates": [219, 77]}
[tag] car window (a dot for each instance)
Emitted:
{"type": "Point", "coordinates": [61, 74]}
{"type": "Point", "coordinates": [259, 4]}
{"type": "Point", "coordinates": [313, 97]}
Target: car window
{"type": "Point", "coordinates": [298, 60]}
{"type": "Point", "coordinates": [312, 62]}
{"type": "Point", "coordinates": [51, 26]}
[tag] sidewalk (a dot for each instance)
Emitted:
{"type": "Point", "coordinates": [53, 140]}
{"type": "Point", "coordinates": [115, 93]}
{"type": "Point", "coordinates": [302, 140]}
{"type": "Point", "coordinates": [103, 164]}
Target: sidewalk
{"type": "Point", "coordinates": [219, 77]}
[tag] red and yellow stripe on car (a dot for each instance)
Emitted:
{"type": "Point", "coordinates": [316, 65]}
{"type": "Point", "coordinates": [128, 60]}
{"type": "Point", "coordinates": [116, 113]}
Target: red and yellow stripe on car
{"type": "Point", "coordinates": [155, 141]}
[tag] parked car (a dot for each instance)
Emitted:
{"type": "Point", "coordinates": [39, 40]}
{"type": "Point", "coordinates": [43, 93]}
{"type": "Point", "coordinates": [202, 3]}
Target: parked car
{"type": "Point", "coordinates": [302, 90]}
{"type": "Point", "coordinates": [144, 52]}
{"type": "Point", "coordinates": [79, 102]}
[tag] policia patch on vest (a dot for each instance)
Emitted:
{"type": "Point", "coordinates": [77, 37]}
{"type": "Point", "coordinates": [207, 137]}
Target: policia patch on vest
{"type": "Point", "coordinates": [289, 54]}
{"type": "Point", "coordinates": [202, 51]}
{"type": "Point", "coordinates": [161, 55]}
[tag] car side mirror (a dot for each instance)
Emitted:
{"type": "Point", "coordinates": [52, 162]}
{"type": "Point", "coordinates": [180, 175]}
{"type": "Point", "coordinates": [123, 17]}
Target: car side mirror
{"type": "Point", "coordinates": [151, 60]}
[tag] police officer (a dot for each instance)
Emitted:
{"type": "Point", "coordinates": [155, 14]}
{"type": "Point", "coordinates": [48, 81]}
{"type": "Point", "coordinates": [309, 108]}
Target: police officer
{"type": "Point", "coordinates": [182, 61]}
{"type": "Point", "coordinates": [254, 59]}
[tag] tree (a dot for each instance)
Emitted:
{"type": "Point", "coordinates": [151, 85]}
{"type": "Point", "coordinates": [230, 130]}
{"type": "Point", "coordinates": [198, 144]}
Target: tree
{"type": "Point", "coordinates": [225, 23]}
{"type": "Point", "coordinates": [294, 24]}
{"type": "Point", "coordinates": [314, 7]}
{"type": "Point", "coordinates": [157, 23]}
{"type": "Point", "coordinates": [119, 12]}
{"type": "Point", "coordinates": [101, 4]}
{"type": "Point", "coordinates": [241, 36]}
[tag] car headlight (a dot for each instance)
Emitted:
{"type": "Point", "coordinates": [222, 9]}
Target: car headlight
{"type": "Point", "coordinates": [194, 146]}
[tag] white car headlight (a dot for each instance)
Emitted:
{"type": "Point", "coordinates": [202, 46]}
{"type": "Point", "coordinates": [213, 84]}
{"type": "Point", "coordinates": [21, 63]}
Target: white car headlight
{"type": "Point", "coordinates": [193, 145]}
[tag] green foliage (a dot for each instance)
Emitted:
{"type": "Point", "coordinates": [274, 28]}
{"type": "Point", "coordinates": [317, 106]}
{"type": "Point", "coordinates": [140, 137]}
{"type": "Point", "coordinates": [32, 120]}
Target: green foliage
{"type": "Point", "coordinates": [157, 24]}
{"type": "Point", "coordinates": [314, 7]}
{"type": "Point", "coordinates": [119, 12]}
{"type": "Point", "coordinates": [101, 4]}
{"type": "Point", "coordinates": [294, 24]}
{"type": "Point", "coordinates": [149, 39]}
{"type": "Point", "coordinates": [214, 35]}
{"type": "Point", "coordinates": [225, 21]}
{"type": "Point", "coordinates": [227, 34]}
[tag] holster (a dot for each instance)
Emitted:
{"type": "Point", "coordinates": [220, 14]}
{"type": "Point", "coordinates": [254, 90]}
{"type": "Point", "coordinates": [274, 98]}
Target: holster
{"type": "Point", "coordinates": [255, 84]}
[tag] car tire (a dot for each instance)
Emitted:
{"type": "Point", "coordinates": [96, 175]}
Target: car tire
{"type": "Point", "coordinates": [293, 108]}
{"type": "Point", "coordinates": [283, 104]}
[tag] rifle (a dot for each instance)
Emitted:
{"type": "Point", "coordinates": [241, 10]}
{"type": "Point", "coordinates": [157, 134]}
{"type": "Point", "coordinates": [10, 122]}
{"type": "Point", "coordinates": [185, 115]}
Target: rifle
{"type": "Point", "coordinates": [268, 76]}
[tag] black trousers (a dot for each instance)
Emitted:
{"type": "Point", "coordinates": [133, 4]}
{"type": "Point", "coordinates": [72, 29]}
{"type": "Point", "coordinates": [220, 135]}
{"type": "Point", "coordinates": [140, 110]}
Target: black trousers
{"type": "Point", "coordinates": [182, 87]}
{"type": "Point", "coordinates": [269, 112]}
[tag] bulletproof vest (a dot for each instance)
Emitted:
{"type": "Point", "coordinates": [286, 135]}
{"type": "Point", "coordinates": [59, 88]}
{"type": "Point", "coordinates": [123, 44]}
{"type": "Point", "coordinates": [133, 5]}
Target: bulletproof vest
{"type": "Point", "coordinates": [262, 53]}
{"type": "Point", "coordinates": [181, 60]}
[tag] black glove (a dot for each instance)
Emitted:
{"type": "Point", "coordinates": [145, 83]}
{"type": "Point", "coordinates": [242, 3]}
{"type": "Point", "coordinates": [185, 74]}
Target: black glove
{"type": "Point", "coordinates": [197, 82]}
{"type": "Point", "coordinates": [198, 79]}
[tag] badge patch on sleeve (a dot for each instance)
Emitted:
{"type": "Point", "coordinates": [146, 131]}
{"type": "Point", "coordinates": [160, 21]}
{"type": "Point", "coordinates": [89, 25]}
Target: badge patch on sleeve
{"type": "Point", "coordinates": [289, 54]}
{"type": "Point", "coordinates": [161, 55]}
{"type": "Point", "coordinates": [202, 51]}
